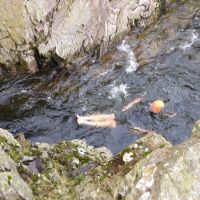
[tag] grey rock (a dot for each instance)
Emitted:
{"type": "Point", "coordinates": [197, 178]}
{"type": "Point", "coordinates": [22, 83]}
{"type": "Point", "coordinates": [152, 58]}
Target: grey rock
{"type": "Point", "coordinates": [101, 154]}
{"type": "Point", "coordinates": [63, 27]}
{"type": "Point", "coordinates": [11, 184]}
{"type": "Point", "coordinates": [196, 129]}
{"type": "Point", "coordinates": [8, 138]}
{"type": "Point", "coordinates": [153, 141]}
{"type": "Point", "coordinates": [82, 24]}
{"type": "Point", "coordinates": [165, 174]}
{"type": "Point", "coordinates": [75, 170]}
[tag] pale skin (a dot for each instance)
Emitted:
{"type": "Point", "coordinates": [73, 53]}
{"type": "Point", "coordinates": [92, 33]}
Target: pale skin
{"type": "Point", "coordinates": [104, 120]}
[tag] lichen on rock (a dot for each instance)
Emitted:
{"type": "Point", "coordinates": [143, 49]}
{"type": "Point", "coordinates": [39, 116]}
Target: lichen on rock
{"type": "Point", "coordinates": [12, 185]}
{"type": "Point", "coordinates": [74, 170]}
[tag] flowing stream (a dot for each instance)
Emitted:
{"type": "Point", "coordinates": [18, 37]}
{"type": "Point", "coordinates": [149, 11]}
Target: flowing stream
{"type": "Point", "coordinates": [158, 62]}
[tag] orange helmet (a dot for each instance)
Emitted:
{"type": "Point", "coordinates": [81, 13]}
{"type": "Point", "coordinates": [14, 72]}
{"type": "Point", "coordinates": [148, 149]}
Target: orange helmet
{"type": "Point", "coordinates": [156, 106]}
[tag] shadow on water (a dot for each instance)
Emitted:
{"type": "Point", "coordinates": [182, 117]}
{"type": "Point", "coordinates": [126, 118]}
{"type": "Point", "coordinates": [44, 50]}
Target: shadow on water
{"type": "Point", "coordinates": [161, 61]}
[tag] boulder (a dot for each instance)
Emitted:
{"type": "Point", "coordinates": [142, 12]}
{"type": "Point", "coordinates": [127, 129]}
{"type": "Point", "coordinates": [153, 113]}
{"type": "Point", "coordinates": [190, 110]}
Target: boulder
{"type": "Point", "coordinates": [149, 169]}
{"type": "Point", "coordinates": [83, 24]}
{"type": "Point", "coordinates": [105, 182]}
{"type": "Point", "coordinates": [7, 137]}
{"type": "Point", "coordinates": [59, 29]}
{"type": "Point", "coordinates": [156, 171]}
{"type": "Point", "coordinates": [165, 174]}
{"type": "Point", "coordinates": [16, 37]}
{"type": "Point", "coordinates": [12, 185]}
{"type": "Point", "coordinates": [196, 130]}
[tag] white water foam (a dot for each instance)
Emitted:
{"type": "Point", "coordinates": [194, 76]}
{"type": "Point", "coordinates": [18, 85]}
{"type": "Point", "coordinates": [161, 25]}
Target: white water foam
{"type": "Point", "coordinates": [124, 47]}
{"type": "Point", "coordinates": [194, 38]}
{"type": "Point", "coordinates": [132, 64]}
{"type": "Point", "coordinates": [118, 90]}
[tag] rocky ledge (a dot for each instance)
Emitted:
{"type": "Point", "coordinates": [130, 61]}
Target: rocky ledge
{"type": "Point", "coordinates": [149, 169]}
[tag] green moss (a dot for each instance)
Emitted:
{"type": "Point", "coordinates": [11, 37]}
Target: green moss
{"type": "Point", "coordinates": [83, 159]}
{"type": "Point", "coordinates": [57, 166]}
{"type": "Point", "coordinates": [78, 179]}
{"type": "Point", "coordinates": [127, 150]}
{"type": "Point", "coordinates": [22, 65]}
{"type": "Point", "coordinates": [146, 153]}
{"type": "Point", "coordinates": [35, 178]}
{"type": "Point", "coordinates": [9, 179]}
{"type": "Point", "coordinates": [29, 150]}
{"type": "Point", "coordinates": [15, 155]}
{"type": "Point", "coordinates": [161, 146]}
{"type": "Point", "coordinates": [3, 140]}
{"type": "Point", "coordinates": [26, 146]}
{"type": "Point", "coordinates": [10, 149]}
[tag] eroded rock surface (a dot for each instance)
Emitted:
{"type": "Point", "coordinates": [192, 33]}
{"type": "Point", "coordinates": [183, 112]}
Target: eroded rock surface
{"type": "Point", "coordinates": [165, 174]}
{"type": "Point", "coordinates": [12, 185]}
{"type": "Point", "coordinates": [62, 28]}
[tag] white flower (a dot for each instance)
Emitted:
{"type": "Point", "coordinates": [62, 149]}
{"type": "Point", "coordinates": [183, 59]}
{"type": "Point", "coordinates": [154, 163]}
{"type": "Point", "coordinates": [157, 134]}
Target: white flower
{"type": "Point", "coordinates": [75, 161]}
{"type": "Point", "coordinates": [135, 146]}
{"type": "Point", "coordinates": [128, 157]}
{"type": "Point", "coordinates": [140, 147]}
{"type": "Point", "coordinates": [81, 151]}
{"type": "Point", "coordinates": [146, 150]}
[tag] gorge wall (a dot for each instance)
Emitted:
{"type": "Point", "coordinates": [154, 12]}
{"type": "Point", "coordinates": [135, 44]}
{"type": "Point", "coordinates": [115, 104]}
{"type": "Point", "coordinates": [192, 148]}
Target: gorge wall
{"type": "Point", "coordinates": [34, 32]}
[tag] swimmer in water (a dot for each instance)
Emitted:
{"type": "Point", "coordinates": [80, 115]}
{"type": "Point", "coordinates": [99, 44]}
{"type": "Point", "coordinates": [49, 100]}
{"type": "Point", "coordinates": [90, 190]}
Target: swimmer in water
{"type": "Point", "coordinates": [110, 120]}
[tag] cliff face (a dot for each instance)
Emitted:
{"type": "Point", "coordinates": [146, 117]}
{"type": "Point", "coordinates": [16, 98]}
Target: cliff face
{"type": "Point", "coordinates": [150, 168]}
{"type": "Point", "coordinates": [63, 28]}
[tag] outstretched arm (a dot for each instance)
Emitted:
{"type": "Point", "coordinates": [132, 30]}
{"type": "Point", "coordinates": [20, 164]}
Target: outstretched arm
{"type": "Point", "coordinates": [132, 103]}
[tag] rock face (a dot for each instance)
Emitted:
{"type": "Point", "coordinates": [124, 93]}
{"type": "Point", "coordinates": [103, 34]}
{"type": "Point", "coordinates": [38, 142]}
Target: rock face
{"type": "Point", "coordinates": [62, 28]}
{"type": "Point", "coordinates": [165, 174]}
{"type": "Point", "coordinates": [149, 169]}
{"type": "Point", "coordinates": [12, 185]}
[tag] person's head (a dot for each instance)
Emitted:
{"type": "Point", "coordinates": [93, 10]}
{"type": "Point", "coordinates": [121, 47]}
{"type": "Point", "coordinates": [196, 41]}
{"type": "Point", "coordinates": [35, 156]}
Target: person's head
{"type": "Point", "coordinates": [156, 106]}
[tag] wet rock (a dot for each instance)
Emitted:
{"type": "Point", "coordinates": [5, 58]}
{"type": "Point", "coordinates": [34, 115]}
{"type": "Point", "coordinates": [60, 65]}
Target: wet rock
{"type": "Point", "coordinates": [60, 29]}
{"type": "Point", "coordinates": [12, 186]}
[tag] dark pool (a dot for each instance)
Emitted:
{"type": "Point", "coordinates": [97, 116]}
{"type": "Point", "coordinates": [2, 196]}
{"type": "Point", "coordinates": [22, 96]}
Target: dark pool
{"type": "Point", "coordinates": [159, 62]}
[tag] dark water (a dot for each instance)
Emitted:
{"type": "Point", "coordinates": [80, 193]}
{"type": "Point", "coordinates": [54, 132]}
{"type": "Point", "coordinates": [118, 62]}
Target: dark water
{"type": "Point", "coordinates": [167, 55]}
